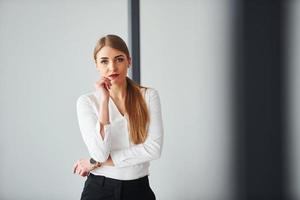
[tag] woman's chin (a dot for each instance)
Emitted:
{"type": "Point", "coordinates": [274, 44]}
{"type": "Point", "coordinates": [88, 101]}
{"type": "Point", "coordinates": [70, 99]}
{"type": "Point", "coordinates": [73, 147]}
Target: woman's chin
{"type": "Point", "coordinates": [115, 83]}
{"type": "Point", "coordinates": [118, 81]}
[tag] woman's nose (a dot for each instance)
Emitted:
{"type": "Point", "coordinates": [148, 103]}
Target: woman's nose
{"type": "Point", "coordinates": [112, 65]}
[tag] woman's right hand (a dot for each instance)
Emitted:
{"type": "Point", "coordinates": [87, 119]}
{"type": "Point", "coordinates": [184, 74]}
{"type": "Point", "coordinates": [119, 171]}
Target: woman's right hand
{"type": "Point", "coordinates": [103, 85]}
{"type": "Point", "coordinates": [82, 167]}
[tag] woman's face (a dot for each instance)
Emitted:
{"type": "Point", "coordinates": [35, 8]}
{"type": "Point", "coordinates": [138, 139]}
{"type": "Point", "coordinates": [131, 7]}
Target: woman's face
{"type": "Point", "coordinates": [112, 64]}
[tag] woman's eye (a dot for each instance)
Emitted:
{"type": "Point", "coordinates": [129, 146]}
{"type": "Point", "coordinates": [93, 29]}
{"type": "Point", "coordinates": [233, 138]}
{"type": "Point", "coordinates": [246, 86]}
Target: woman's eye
{"type": "Point", "coordinates": [104, 62]}
{"type": "Point", "coordinates": [120, 59]}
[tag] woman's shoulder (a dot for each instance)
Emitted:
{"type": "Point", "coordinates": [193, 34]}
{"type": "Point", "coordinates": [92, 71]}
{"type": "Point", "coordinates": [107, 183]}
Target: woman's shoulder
{"type": "Point", "coordinates": [149, 92]}
{"type": "Point", "coordinates": [88, 97]}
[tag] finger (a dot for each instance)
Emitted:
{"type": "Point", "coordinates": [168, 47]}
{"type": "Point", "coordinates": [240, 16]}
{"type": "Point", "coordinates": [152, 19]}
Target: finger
{"type": "Point", "coordinates": [108, 86]}
{"type": "Point", "coordinates": [83, 173]}
{"type": "Point", "coordinates": [86, 173]}
{"type": "Point", "coordinates": [79, 168]}
{"type": "Point", "coordinates": [105, 79]}
{"type": "Point", "coordinates": [74, 169]}
{"type": "Point", "coordinates": [108, 80]}
{"type": "Point", "coordinates": [103, 82]}
{"type": "Point", "coordinates": [100, 81]}
{"type": "Point", "coordinates": [109, 83]}
{"type": "Point", "coordinates": [105, 86]}
{"type": "Point", "coordinates": [76, 163]}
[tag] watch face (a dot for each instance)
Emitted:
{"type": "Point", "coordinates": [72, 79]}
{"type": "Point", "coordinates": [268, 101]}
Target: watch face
{"type": "Point", "coordinates": [92, 161]}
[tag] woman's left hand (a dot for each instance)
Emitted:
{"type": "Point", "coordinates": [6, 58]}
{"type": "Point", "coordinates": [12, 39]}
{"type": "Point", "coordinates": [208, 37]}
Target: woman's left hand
{"type": "Point", "coordinates": [82, 167]}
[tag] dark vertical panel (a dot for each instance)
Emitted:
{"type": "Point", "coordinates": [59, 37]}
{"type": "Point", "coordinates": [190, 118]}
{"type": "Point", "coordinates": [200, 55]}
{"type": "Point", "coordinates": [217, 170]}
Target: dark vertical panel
{"type": "Point", "coordinates": [238, 102]}
{"type": "Point", "coordinates": [134, 37]}
{"type": "Point", "coordinates": [260, 101]}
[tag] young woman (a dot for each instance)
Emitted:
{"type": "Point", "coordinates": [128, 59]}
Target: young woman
{"type": "Point", "coordinates": [121, 125]}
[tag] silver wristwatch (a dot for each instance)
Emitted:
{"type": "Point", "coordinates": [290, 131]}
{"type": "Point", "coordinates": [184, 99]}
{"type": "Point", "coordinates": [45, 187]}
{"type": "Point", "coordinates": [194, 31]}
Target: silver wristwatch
{"type": "Point", "coordinates": [95, 163]}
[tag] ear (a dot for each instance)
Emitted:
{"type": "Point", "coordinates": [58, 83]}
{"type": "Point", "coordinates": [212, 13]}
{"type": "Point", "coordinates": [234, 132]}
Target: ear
{"type": "Point", "coordinates": [129, 61]}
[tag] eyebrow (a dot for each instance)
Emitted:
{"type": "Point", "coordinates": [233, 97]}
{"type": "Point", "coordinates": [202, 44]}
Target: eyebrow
{"type": "Point", "coordinates": [105, 58]}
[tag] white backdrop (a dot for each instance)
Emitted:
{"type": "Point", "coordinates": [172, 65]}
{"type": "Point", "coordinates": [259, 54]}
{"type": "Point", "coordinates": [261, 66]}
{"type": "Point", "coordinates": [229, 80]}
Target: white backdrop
{"type": "Point", "coordinates": [185, 53]}
{"type": "Point", "coordinates": [46, 63]}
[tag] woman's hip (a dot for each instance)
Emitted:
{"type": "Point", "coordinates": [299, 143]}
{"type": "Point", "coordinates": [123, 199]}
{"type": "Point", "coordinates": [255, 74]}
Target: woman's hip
{"type": "Point", "coordinates": [100, 187]}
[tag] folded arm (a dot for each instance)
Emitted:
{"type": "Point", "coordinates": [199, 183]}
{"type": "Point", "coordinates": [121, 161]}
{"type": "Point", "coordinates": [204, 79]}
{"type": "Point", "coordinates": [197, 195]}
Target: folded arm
{"type": "Point", "coordinates": [89, 124]}
{"type": "Point", "coordinates": [152, 147]}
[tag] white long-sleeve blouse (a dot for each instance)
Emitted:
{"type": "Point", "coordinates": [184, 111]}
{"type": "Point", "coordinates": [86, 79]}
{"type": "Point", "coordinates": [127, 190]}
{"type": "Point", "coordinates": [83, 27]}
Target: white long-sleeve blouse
{"type": "Point", "coordinates": [131, 161]}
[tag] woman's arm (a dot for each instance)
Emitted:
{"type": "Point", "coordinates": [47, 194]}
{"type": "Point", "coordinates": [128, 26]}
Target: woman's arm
{"type": "Point", "coordinates": [95, 131]}
{"type": "Point", "coordinates": [149, 150]}
{"type": "Point", "coordinates": [96, 134]}
{"type": "Point", "coordinates": [104, 116]}
{"type": "Point", "coordinates": [83, 166]}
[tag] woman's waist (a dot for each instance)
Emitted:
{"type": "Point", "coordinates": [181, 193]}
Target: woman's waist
{"type": "Point", "coordinates": [103, 180]}
{"type": "Point", "coordinates": [123, 173]}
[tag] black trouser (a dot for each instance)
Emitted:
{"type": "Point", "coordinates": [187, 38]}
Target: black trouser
{"type": "Point", "coordinates": [100, 188]}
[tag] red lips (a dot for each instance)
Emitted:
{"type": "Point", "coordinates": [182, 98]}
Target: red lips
{"type": "Point", "coordinates": [113, 75]}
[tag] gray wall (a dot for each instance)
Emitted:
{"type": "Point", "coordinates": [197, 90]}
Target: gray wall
{"type": "Point", "coordinates": [46, 63]}
{"type": "Point", "coordinates": [185, 51]}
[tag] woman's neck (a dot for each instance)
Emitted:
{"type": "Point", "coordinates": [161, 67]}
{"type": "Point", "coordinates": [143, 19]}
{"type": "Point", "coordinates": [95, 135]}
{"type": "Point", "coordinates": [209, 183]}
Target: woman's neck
{"type": "Point", "coordinates": [118, 92]}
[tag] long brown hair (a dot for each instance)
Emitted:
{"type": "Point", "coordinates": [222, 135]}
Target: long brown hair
{"type": "Point", "coordinates": [135, 104]}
